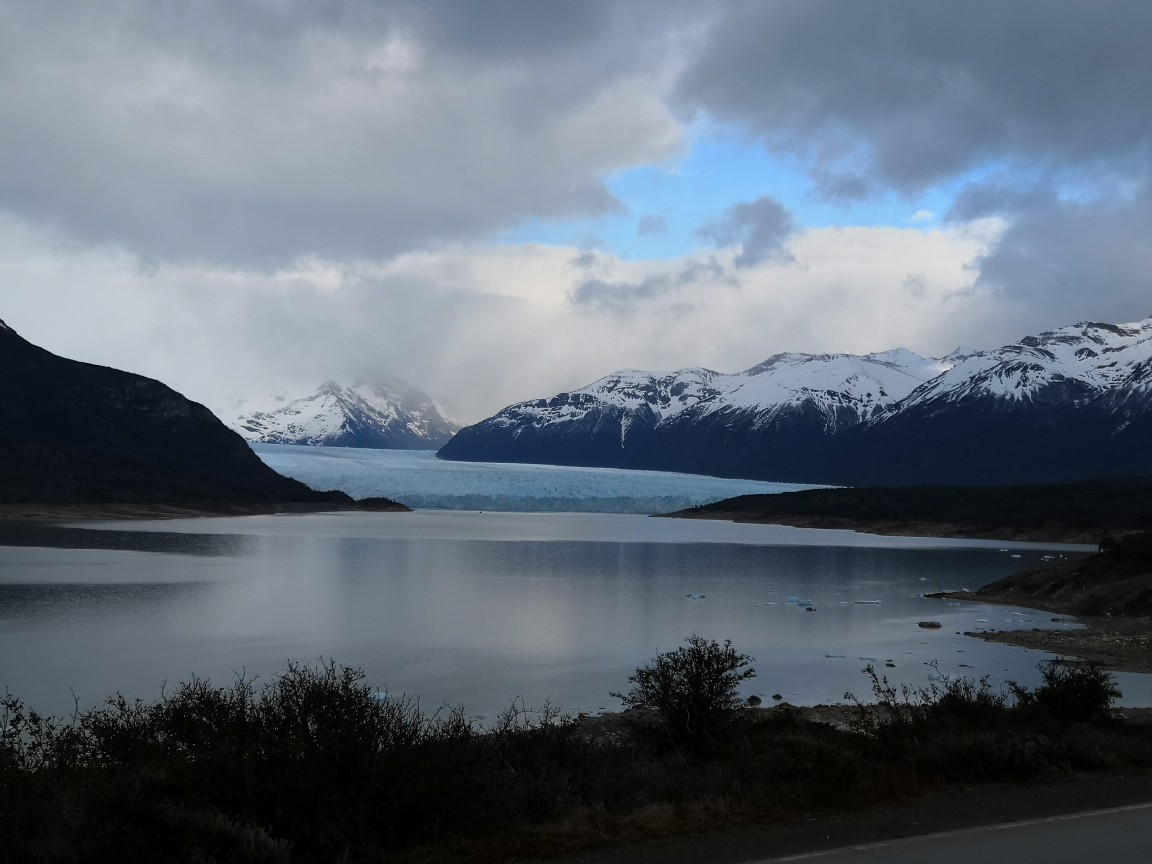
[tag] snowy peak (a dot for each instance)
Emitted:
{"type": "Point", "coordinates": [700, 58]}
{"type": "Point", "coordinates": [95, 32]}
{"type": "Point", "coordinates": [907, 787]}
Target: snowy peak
{"type": "Point", "coordinates": [391, 414]}
{"type": "Point", "coordinates": [869, 382]}
{"type": "Point", "coordinates": [662, 394]}
{"type": "Point", "coordinates": [839, 389]}
{"type": "Point", "coordinates": [1072, 365]}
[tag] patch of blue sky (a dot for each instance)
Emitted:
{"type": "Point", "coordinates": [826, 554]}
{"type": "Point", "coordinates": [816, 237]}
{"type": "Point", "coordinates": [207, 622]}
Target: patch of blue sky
{"type": "Point", "coordinates": [665, 205]}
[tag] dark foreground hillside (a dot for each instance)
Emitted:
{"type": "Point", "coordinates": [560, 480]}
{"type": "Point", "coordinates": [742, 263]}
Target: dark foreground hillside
{"type": "Point", "coordinates": [73, 433]}
{"type": "Point", "coordinates": [1067, 512]}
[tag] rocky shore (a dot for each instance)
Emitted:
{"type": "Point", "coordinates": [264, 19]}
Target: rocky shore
{"type": "Point", "coordinates": [1109, 592]}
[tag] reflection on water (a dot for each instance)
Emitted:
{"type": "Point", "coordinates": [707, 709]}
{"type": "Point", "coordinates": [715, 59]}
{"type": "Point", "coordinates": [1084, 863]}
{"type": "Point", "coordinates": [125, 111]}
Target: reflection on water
{"type": "Point", "coordinates": [26, 532]}
{"type": "Point", "coordinates": [49, 605]}
{"type": "Point", "coordinates": [485, 610]}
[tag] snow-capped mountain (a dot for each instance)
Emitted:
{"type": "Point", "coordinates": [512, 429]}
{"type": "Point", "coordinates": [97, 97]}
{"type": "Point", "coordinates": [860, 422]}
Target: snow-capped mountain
{"type": "Point", "coordinates": [842, 388]}
{"type": "Point", "coordinates": [388, 415]}
{"type": "Point", "coordinates": [613, 421]}
{"type": "Point", "coordinates": [1067, 404]}
{"type": "Point", "coordinates": [1070, 366]}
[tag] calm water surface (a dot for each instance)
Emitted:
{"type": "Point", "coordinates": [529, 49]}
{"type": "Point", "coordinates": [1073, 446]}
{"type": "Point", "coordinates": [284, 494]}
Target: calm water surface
{"type": "Point", "coordinates": [484, 608]}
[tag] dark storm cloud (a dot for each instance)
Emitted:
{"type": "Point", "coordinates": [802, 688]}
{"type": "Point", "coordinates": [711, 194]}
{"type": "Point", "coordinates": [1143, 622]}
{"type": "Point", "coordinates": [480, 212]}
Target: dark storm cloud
{"type": "Point", "coordinates": [930, 89]}
{"type": "Point", "coordinates": [1054, 94]}
{"type": "Point", "coordinates": [251, 131]}
{"type": "Point", "coordinates": [759, 227]}
{"type": "Point", "coordinates": [1068, 261]}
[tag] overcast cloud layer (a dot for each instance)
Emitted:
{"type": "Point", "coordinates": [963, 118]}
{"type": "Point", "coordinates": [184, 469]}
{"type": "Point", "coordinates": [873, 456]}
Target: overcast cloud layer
{"type": "Point", "coordinates": [238, 195]}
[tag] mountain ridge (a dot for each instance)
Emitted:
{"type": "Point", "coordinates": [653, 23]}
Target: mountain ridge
{"type": "Point", "coordinates": [1065, 405]}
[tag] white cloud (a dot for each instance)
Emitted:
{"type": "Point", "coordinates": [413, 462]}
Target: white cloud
{"type": "Point", "coordinates": [485, 326]}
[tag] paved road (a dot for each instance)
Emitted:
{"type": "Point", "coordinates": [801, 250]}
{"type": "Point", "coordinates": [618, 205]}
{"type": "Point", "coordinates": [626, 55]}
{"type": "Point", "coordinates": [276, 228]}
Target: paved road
{"type": "Point", "coordinates": [1122, 835]}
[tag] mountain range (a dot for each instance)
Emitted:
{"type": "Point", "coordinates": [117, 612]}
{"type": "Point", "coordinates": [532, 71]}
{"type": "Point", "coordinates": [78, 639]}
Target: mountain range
{"type": "Point", "coordinates": [1067, 404]}
{"type": "Point", "coordinates": [391, 414]}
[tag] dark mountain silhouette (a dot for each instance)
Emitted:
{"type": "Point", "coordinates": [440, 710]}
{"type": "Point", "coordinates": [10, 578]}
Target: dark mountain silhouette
{"type": "Point", "coordinates": [74, 433]}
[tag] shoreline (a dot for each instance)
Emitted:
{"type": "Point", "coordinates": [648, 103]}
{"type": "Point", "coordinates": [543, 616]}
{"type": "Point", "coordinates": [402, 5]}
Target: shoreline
{"type": "Point", "coordinates": [890, 528]}
{"type": "Point", "coordinates": [123, 511]}
{"type": "Point", "coordinates": [1118, 644]}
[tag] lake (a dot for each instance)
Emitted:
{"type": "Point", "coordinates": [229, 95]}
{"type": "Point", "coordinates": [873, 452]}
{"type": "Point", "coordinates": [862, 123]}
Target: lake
{"type": "Point", "coordinates": [484, 608]}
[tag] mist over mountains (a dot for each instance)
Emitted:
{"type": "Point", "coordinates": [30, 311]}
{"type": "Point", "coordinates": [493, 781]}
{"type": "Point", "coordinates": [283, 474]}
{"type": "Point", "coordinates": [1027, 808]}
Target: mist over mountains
{"type": "Point", "coordinates": [1068, 404]}
{"type": "Point", "coordinates": [391, 415]}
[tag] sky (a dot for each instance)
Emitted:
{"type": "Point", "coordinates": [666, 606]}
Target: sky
{"type": "Point", "coordinates": [506, 199]}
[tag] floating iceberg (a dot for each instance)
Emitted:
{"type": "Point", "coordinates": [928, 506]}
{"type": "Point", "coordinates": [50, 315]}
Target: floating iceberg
{"type": "Point", "coordinates": [695, 596]}
{"type": "Point", "coordinates": [792, 599]}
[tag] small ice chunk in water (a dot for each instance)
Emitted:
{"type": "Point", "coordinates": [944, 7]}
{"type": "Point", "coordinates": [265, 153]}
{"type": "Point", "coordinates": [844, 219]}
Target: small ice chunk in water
{"type": "Point", "coordinates": [981, 620]}
{"type": "Point", "coordinates": [804, 602]}
{"type": "Point", "coordinates": [835, 656]}
{"type": "Point", "coordinates": [869, 659]}
{"type": "Point", "coordinates": [769, 604]}
{"type": "Point", "coordinates": [792, 599]}
{"type": "Point", "coordinates": [695, 596]}
{"type": "Point", "coordinates": [1015, 556]}
{"type": "Point", "coordinates": [943, 678]}
{"type": "Point", "coordinates": [868, 602]}
{"type": "Point", "coordinates": [1017, 614]}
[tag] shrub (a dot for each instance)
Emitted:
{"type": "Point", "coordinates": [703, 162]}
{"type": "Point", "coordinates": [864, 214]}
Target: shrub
{"type": "Point", "coordinates": [693, 691]}
{"type": "Point", "coordinates": [968, 700]}
{"type": "Point", "coordinates": [1077, 693]}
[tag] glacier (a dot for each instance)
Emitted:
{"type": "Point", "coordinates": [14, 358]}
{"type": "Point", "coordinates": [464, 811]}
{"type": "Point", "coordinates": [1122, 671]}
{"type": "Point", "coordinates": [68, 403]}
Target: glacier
{"type": "Point", "coordinates": [423, 482]}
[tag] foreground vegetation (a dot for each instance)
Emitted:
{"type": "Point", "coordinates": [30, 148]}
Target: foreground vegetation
{"type": "Point", "coordinates": [315, 766]}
